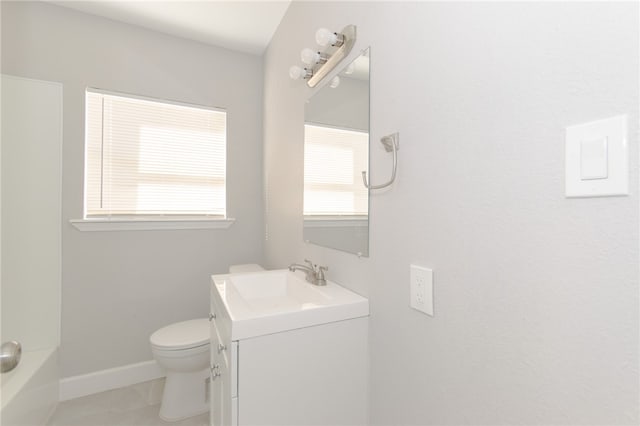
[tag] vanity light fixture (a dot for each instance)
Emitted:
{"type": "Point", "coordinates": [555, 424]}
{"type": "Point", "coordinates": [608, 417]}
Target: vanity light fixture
{"type": "Point", "coordinates": [320, 64]}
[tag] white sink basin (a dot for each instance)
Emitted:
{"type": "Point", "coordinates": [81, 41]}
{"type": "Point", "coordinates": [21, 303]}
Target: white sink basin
{"type": "Point", "coordinates": [273, 301]}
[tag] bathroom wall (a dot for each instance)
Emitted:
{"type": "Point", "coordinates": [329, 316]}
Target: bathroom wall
{"type": "Point", "coordinates": [118, 287]}
{"type": "Point", "coordinates": [536, 295]}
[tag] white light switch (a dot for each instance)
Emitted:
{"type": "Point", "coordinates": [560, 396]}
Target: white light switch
{"type": "Point", "coordinates": [593, 159]}
{"type": "Point", "coordinates": [596, 158]}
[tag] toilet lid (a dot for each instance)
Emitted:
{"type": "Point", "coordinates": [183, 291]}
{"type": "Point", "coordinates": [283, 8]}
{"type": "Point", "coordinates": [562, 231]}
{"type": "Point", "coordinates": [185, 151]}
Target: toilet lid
{"type": "Point", "coordinates": [182, 335]}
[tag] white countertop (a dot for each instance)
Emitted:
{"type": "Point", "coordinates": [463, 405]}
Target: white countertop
{"type": "Point", "coordinates": [274, 301]}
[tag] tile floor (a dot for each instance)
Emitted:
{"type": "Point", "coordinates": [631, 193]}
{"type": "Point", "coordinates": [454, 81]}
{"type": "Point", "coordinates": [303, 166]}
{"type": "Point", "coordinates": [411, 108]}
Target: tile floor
{"type": "Point", "coordinates": [136, 405]}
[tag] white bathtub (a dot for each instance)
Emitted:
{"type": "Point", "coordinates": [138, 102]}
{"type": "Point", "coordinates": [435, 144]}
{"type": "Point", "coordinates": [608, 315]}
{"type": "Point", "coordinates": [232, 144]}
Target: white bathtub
{"type": "Point", "coordinates": [29, 393]}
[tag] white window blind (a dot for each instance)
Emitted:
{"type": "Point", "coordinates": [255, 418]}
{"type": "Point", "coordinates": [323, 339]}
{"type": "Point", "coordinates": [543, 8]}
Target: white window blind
{"type": "Point", "coordinates": [148, 158]}
{"type": "Point", "coordinates": [333, 162]}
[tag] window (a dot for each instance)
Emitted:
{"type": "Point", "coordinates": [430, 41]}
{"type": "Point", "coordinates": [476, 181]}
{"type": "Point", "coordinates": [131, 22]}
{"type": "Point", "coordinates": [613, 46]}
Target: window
{"type": "Point", "coordinates": [333, 162]}
{"type": "Point", "coordinates": [152, 158]}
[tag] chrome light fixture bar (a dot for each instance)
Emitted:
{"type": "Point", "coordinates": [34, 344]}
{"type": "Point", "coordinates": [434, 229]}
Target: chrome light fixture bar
{"type": "Point", "coordinates": [344, 41]}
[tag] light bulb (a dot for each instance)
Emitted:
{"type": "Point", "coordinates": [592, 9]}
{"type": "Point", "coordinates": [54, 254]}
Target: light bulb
{"type": "Point", "coordinates": [350, 68]}
{"type": "Point", "coordinates": [325, 37]}
{"type": "Point", "coordinates": [295, 72]}
{"type": "Point", "coordinates": [309, 56]}
{"type": "Point", "coordinates": [335, 82]}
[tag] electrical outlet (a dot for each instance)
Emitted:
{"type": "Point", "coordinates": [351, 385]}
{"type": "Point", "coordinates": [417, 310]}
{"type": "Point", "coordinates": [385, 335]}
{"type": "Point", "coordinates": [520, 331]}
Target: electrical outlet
{"type": "Point", "coordinates": [421, 287]}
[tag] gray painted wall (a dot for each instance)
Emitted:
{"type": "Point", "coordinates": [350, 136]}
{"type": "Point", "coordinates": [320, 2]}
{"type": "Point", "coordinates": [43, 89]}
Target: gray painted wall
{"type": "Point", "coordinates": [536, 295]}
{"type": "Point", "coordinates": [118, 287]}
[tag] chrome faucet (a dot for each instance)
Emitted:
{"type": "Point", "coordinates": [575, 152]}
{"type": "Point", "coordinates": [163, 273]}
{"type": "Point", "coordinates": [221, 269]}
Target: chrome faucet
{"type": "Point", "coordinates": [314, 274]}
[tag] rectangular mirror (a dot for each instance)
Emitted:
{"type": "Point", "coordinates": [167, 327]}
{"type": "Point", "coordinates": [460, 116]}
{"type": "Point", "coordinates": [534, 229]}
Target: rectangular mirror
{"type": "Point", "coordinates": [336, 152]}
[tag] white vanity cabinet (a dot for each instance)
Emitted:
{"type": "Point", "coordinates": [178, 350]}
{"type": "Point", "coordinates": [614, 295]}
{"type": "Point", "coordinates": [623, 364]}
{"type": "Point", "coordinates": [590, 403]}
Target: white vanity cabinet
{"type": "Point", "coordinates": [270, 372]}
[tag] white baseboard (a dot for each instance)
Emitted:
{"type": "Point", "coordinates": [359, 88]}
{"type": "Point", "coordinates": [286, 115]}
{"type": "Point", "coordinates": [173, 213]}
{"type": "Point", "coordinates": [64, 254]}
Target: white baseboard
{"type": "Point", "coordinates": [113, 378]}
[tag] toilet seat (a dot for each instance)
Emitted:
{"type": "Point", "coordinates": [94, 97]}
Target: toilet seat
{"type": "Point", "coordinates": [182, 335]}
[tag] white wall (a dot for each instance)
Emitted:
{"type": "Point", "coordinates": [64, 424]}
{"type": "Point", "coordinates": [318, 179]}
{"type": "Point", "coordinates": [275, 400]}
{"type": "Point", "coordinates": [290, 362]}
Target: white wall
{"type": "Point", "coordinates": [118, 287]}
{"type": "Point", "coordinates": [536, 295]}
{"type": "Point", "coordinates": [31, 212]}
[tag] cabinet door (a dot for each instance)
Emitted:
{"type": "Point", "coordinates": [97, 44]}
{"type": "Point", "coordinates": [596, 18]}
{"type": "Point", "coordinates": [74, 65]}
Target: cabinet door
{"type": "Point", "coordinates": [225, 384]}
{"type": "Point", "coordinates": [223, 367]}
{"type": "Point", "coordinates": [216, 406]}
{"type": "Point", "coordinates": [221, 410]}
{"type": "Point", "coordinates": [216, 401]}
{"type": "Point", "coordinates": [221, 413]}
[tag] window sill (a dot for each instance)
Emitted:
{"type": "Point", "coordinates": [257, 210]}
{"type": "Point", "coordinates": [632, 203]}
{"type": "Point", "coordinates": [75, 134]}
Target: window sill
{"type": "Point", "coordinates": [149, 224]}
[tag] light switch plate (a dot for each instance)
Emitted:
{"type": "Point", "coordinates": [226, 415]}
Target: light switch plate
{"type": "Point", "coordinates": [596, 158]}
{"type": "Point", "coordinates": [421, 285]}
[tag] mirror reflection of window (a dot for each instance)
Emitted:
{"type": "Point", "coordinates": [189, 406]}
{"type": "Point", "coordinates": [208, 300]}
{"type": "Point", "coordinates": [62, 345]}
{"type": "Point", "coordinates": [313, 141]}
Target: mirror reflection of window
{"type": "Point", "coordinates": [333, 161]}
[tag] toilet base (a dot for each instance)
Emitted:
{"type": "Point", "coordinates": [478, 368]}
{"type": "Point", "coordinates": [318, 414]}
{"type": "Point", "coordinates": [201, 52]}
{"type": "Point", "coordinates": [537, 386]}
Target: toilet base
{"type": "Point", "coordinates": [185, 395]}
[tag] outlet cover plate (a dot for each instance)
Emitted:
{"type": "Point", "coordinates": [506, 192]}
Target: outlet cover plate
{"type": "Point", "coordinates": [421, 287]}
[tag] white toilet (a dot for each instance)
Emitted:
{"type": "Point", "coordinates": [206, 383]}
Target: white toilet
{"type": "Point", "coordinates": [182, 349]}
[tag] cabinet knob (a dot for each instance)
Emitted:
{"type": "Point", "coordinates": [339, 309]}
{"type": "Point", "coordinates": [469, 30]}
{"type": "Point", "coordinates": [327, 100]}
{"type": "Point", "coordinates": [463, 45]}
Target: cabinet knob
{"type": "Point", "coordinates": [215, 371]}
{"type": "Point", "coordinates": [212, 316]}
{"type": "Point", "coordinates": [221, 347]}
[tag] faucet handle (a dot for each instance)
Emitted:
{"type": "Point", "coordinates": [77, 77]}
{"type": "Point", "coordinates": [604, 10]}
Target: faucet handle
{"type": "Point", "coordinates": [311, 265]}
{"type": "Point", "coordinates": [321, 280]}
